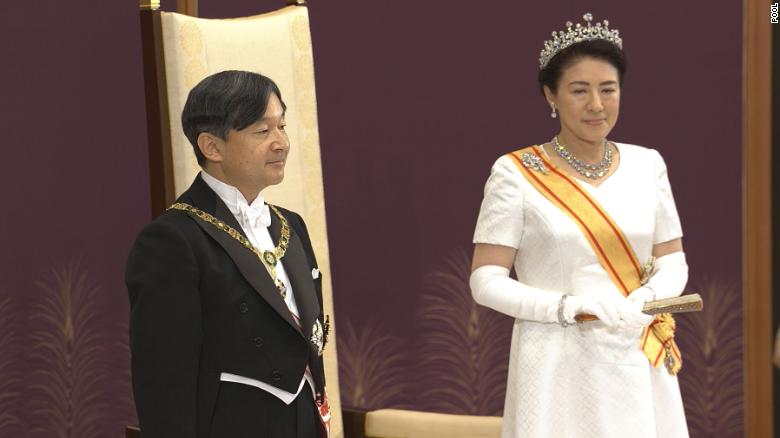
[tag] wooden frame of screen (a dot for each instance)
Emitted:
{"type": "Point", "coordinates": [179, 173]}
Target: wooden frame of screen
{"type": "Point", "coordinates": [161, 185]}
{"type": "Point", "coordinates": [757, 218]}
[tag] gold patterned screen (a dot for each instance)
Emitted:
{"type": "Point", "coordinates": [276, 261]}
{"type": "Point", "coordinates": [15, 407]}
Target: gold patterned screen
{"type": "Point", "coordinates": [278, 45]}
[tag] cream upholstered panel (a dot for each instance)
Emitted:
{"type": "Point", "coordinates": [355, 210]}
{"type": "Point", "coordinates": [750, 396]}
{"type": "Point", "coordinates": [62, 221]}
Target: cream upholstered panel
{"type": "Point", "coordinates": [277, 45]}
{"type": "Point", "coordinates": [397, 423]}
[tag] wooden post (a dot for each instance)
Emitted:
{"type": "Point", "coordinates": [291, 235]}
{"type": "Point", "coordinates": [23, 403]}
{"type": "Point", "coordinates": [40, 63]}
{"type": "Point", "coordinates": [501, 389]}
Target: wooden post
{"type": "Point", "coordinates": [187, 7]}
{"type": "Point", "coordinates": [157, 122]}
{"type": "Point", "coordinates": [757, 219]}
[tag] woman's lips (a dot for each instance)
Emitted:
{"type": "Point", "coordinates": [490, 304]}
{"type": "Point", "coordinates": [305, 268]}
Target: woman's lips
{"type": "Point", "coordinates": [596, 122]}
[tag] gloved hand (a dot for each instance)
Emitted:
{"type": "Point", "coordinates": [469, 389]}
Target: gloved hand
{"type": "Point", "coordinates": [605, 309]}
{"type": "Point", "coordinates": [613, 312]}
{"type": "Point", "coordinates": [640, 296]}
{"type": "Point", "coordinates": [633, 304]}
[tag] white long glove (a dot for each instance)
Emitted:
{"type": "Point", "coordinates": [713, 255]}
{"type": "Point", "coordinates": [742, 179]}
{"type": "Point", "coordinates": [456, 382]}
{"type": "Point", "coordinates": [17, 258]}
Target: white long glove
{"type": "Point", "coordinates": [670, 276]}
{"type": "Point", "coordinates": [491, 286]}
{"type": "Point", "coordinates": [668, 280]}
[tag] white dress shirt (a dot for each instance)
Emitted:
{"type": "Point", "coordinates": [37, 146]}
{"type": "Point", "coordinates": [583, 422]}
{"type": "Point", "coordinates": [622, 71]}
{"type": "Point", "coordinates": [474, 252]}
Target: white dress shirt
{"type": "Point", "coordinates": [254, 223]}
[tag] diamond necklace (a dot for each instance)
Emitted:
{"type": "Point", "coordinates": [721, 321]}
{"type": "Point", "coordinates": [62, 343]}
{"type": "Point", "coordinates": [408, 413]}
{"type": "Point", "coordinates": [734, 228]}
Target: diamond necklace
{"type": "Point", "coordinates": [592, 171]}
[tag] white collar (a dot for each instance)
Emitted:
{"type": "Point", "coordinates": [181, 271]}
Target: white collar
{"type": "Point", "coordinates": [230, 195]}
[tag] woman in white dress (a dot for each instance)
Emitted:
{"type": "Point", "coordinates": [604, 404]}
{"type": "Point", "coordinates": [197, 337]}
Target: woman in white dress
{"type": "Point", "coordinates": [577, 217]}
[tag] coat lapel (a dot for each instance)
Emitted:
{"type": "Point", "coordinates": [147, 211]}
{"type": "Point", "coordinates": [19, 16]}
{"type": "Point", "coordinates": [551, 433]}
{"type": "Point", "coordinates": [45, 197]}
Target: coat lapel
{"type": "Point", "coordinates": [201, 196]}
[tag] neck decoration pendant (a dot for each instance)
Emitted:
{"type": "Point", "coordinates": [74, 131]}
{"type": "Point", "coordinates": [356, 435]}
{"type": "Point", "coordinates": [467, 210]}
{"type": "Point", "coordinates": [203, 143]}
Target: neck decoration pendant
{"type": "Point", "coordinates": [271, 258]}
{"type": "Point", "coordinates": [592, 171]}
{"type": "Point", "coordinates": [268, 258]}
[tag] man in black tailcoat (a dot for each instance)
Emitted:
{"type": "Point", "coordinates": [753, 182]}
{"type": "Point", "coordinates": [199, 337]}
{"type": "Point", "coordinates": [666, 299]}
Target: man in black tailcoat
{"type": "Point", "coordinates": [226, 320]}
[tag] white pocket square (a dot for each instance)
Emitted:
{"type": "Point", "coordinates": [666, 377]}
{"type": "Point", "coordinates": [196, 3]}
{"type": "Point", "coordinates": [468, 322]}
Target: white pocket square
{"type": "Point", "coordinates": [315, 274]}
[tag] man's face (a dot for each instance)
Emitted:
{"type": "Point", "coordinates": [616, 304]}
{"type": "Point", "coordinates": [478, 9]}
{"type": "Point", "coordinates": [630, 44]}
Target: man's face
{"type": "Point", "coordinates": [254, 157]}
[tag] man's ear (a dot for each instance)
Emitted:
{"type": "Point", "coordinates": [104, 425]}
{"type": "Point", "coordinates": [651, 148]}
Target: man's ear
{"type": "Point", "coordinates": [210, 146]}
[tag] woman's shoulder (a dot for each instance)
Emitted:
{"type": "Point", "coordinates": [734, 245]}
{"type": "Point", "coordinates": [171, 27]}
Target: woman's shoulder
{"type": "Point", "coordinates": [634, 148]}
{"type": "Point", "coordinates": [505, 172]}
{"type": "Point", "coordinates": [642, 153]}
{"type": "Point", "coordinates": [505, 164]}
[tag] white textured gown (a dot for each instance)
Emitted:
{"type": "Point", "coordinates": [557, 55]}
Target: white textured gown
{"type": "Point", "coordinates": [584, 380]}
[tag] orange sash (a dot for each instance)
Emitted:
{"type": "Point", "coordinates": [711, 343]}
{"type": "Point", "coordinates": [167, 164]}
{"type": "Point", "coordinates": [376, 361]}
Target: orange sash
{"type": "Point", "coordinates": [608, 242]}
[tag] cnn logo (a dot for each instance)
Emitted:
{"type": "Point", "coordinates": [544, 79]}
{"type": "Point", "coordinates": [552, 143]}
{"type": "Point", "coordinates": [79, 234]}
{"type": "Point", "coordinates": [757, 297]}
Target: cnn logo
{"type": "Point", "coordinates": [773, 13]}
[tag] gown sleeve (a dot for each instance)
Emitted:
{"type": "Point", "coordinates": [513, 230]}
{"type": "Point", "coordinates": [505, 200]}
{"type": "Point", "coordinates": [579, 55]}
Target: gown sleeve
{"type": "Point", "coordinates": [667, 221]}
{"type": "Point", "coordinates": [500, 220]}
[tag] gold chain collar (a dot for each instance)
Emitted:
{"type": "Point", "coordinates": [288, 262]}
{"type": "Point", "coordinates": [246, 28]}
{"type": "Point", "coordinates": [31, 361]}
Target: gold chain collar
{"type": "Point", "coordinates": [268, 258]}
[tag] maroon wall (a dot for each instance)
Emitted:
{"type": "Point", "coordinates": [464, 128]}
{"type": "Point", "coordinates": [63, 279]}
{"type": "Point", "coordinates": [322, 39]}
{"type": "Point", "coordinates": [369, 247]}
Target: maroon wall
{"type": "Point", "coordinates": [75, 186]}
{"type": "Point", "coordinates": [416, 100]}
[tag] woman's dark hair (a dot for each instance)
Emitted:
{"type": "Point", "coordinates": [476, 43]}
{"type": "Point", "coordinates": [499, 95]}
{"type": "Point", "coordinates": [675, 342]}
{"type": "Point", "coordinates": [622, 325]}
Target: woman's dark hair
{"type": "Point", "coordinates": [223, 101]}
{"type": "Point", "coordinates": [598, 49]}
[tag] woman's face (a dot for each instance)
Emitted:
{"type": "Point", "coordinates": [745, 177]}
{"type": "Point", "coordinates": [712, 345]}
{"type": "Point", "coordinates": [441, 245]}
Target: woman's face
{"type": "Point", "coordinates": [588, 99]}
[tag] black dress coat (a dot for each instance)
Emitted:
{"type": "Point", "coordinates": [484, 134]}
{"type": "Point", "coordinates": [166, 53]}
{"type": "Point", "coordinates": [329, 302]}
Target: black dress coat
{"type": "Point", "coordinates": [201, 304]}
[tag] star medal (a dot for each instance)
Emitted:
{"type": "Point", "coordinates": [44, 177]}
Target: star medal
{"type": "Point", "coordinates": [317, 336]}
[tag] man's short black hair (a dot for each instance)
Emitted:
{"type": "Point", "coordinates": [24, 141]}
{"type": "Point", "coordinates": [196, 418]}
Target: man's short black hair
{"type": "Point", "coordinates": [226, 100]}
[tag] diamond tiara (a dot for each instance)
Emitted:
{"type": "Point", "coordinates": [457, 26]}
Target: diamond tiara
{"type": "Point", "coordinates": [575, 34]}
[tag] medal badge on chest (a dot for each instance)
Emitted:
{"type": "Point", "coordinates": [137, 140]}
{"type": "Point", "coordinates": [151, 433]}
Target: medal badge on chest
{"type": "Point", "coordinates": [317, 337]}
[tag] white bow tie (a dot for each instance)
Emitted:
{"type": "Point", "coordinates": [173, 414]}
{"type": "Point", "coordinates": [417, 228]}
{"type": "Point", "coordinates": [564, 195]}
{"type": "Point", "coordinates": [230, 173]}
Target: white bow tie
{"type": "Point", "coordinates": [255, 216]}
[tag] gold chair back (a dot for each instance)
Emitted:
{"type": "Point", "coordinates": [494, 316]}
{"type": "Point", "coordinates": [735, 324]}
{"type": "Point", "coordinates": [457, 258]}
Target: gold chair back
{"type": "Point", "coordinates": [277, 45]}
